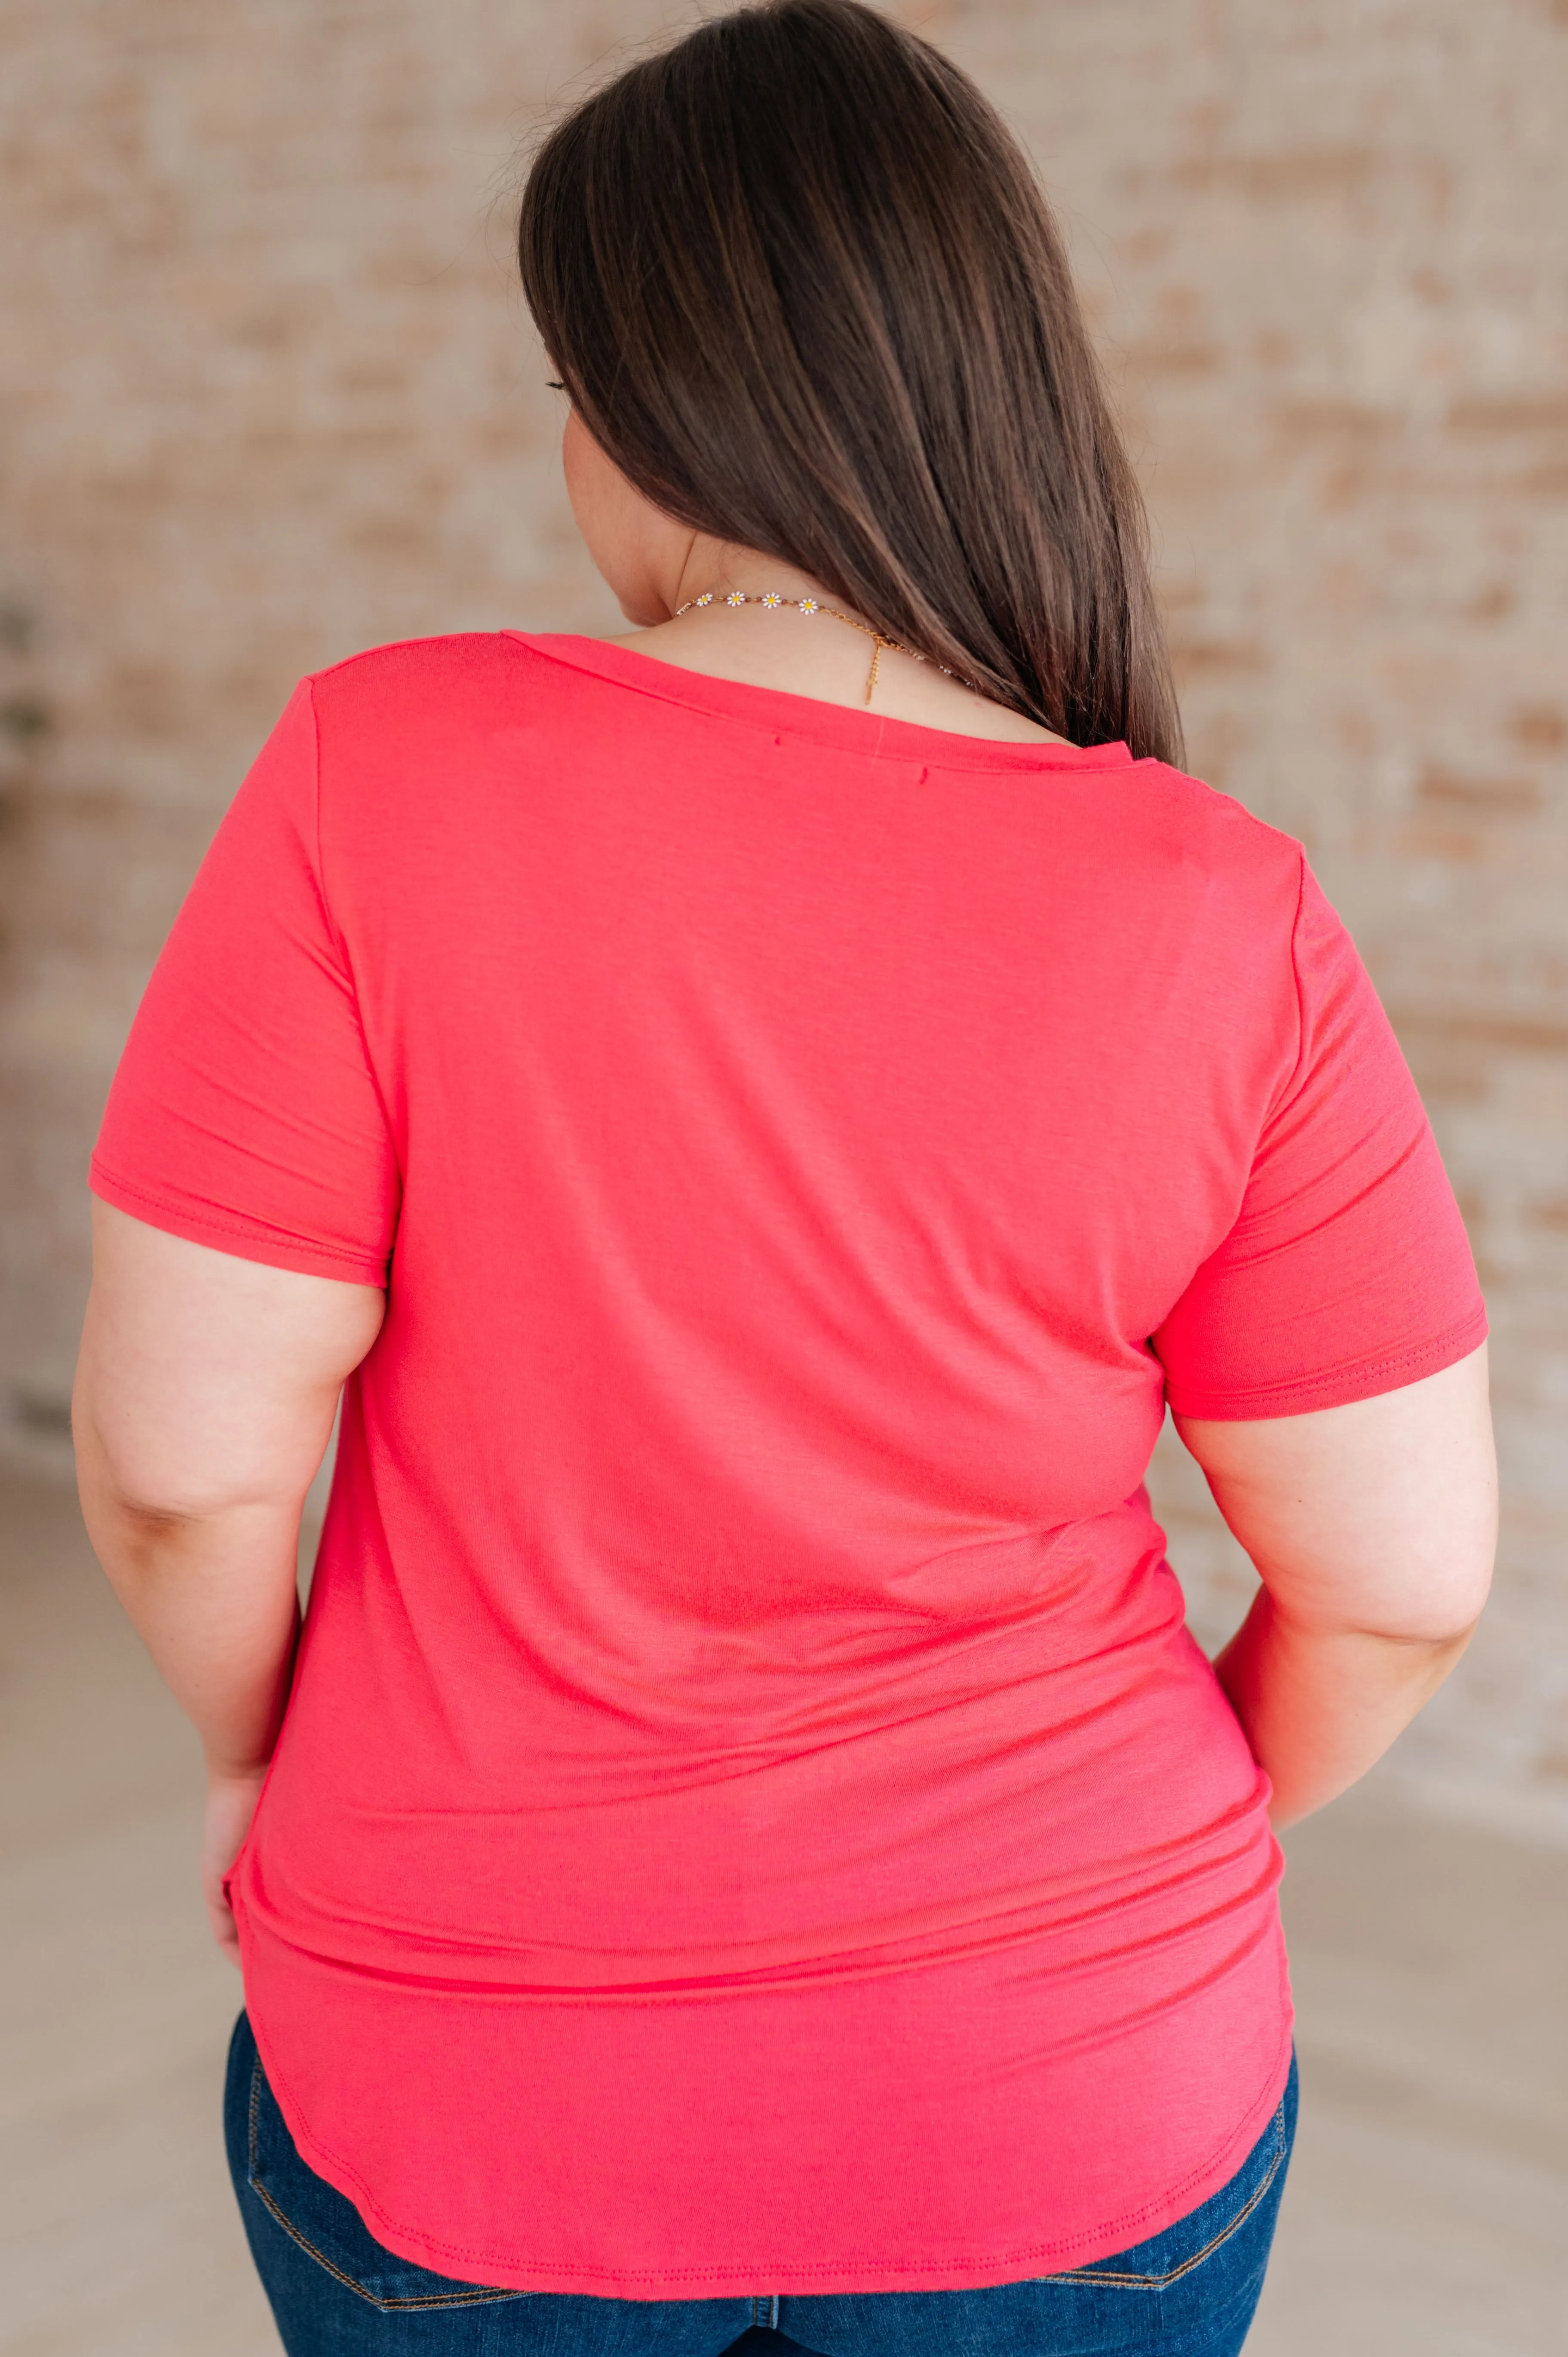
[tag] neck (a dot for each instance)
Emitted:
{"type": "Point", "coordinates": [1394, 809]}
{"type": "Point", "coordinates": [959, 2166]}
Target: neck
{"type": "Point", "coordinates": [810, 644]}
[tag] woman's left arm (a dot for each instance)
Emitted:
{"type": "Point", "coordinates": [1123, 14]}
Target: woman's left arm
{"type": "Point", "coordinates": [204, 1400]}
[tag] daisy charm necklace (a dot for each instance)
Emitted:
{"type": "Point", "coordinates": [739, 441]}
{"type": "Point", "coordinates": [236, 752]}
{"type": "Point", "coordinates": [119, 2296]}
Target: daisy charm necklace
{"type": "Point", "coordinates": [775, 601]}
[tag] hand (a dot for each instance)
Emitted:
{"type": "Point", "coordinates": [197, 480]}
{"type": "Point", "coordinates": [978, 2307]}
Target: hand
{"type": "Point", "coordinates": [232, 1797]}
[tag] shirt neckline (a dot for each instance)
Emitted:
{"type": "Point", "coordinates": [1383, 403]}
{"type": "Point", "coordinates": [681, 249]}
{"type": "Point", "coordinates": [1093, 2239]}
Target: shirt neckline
{"type": "Point", "coordinates": [781, 712]}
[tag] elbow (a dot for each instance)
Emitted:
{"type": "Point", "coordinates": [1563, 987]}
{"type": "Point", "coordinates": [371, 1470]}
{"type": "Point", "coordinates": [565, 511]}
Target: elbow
{"type": "Point", "coordinates": [147, 1489]}
{"type": "Point", "coordinates": [155, 1503]}
{"type": "Point", "coordinates": [1441, 1610]}
{"type": "Point", "coordinates": [1440, 1618]}
{"type": "Point", "coordinates": [1441, 1635]}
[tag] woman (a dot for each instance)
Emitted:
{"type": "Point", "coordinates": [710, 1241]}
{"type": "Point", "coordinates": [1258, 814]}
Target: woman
{"type": "Point", "coordinates": [758, 1118]}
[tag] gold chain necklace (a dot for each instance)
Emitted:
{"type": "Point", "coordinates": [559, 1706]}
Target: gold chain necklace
{"type": "Point", "coordinates": [774, 599]}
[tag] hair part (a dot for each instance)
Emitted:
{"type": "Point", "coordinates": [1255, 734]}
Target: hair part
{"type": "Point", "coordinates": [803, 288]}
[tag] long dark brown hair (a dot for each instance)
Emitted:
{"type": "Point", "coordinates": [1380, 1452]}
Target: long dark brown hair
{"type": "Point", "coordinates": [803, 287]}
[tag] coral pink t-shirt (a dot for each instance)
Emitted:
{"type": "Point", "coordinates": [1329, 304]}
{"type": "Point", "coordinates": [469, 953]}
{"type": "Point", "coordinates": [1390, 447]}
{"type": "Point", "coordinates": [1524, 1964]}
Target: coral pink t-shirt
{"type": "Point", "coordinates": [750, 1818]}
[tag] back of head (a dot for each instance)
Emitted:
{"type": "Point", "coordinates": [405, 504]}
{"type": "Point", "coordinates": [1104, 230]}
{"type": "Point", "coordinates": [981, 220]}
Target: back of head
{"type": "Point", "coordinates": [803, 289]}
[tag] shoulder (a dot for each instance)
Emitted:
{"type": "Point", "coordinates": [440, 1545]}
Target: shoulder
{"type": "Point", "coordinates": [420, 743]}
{"type": "Point", "coordinates": [1202, 812]}
{"type": "Point", "coordinates": [473, 665]}
{"type": "Point", "coordinates": [437, 719]}
{"type": "Point", "coordinates": [1187, 834]}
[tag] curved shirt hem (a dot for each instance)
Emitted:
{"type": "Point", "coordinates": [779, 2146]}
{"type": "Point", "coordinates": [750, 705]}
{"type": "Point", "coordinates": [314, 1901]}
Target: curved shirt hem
{"type": "Point", "coordinates": [738, 2278]}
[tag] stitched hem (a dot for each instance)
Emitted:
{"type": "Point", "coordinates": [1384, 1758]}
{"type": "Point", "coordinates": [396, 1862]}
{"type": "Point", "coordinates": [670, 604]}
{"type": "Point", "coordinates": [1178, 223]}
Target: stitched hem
{"type": "Point", "coordinates": [1391, 1373]}
{"type": "Point", "coordinates": [849, 2273]}
{"type": "Point", "coordinates": [177, 1218]}
{"type": "Point", "coordinates": [480, 2296]}
{"type": "Point", "coordinates": [1130, 2281]}
{"type": "Point", "coordinates": [786, 713]}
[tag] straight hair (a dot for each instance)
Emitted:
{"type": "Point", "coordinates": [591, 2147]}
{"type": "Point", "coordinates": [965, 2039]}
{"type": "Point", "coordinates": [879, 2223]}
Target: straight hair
{"type": "Point", "coordinates": [803, 289]}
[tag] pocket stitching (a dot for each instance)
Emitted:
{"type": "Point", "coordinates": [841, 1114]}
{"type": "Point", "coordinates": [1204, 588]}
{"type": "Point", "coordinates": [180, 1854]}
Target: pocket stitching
{"type": "Point", "coordinates": [1129, 2282]}
{"type": "Point", "coordinates": [480, 2295]}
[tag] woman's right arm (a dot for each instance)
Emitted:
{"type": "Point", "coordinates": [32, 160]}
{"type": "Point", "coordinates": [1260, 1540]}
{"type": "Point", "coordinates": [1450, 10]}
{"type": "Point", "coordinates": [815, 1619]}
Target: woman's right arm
{"type": "Point", "coordinates": [1372, 1527]}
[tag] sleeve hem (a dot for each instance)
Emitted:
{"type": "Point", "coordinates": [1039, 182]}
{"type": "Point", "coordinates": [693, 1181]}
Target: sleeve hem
{"type": "Point", "coordinates": [224, 1233]}
{"type": "Point", "coordinates": [1391, 1372]}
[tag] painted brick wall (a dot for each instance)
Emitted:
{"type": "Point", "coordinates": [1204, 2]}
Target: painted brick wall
{"type": "Point", "coordinates": [267, 397]}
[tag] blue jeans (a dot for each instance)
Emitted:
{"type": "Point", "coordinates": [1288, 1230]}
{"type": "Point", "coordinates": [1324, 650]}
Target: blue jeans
{"type": "Point", "coordinates": [336, 2292]}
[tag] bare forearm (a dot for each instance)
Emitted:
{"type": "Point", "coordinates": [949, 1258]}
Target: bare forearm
{"type": "Point", "coordinates": [1321, 1707]}
{"type": "Point", "coordinates": [213, 1599]}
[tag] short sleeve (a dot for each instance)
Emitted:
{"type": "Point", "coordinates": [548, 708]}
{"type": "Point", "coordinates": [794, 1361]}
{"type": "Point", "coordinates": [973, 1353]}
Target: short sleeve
{"type": "Point", "coordinates": [1348, 1272]}
{"type": "Point", "coordinates": [245, 1113]}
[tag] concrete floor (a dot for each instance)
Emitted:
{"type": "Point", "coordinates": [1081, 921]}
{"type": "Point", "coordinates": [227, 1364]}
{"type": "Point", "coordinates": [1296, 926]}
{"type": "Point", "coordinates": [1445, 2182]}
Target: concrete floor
{"type": "Point", "coordinates": [1428, 2205]}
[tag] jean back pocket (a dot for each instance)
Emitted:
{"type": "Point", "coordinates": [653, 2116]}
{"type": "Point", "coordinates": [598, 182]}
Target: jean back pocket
{"type": "Point", "coordinates": [1231, 2231]}
{"type": "Point", "coordinates": [324, 2224]}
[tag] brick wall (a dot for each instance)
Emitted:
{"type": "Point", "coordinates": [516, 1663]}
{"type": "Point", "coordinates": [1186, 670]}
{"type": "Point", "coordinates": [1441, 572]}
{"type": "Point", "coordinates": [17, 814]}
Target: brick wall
{"type": "Point", "coordinates": [268, 397]}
